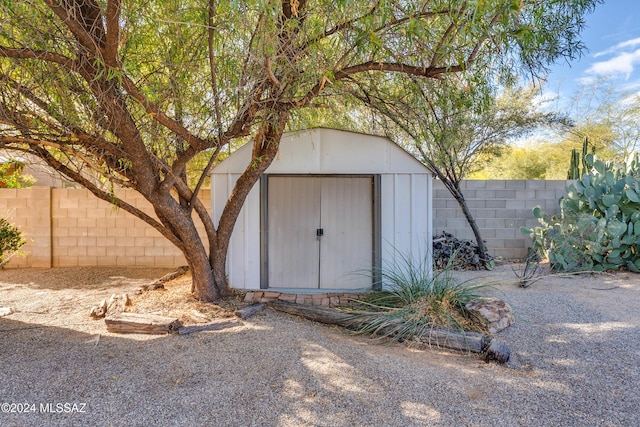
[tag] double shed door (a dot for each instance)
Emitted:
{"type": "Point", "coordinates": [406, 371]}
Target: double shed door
{"type": "Point", "coordinates": [320, 232]}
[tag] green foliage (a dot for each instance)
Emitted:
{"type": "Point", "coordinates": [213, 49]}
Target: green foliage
{"type": "Point", "coordinates": [417, 300]}
{"type": "Point", "coordinates": [132, 93]}
{"type": "Point", "coordinates": [11, 240]}
{"type": "Point", "coordinates": [599, 225]}
{"type": "Point", "coordinates": [11, 175]}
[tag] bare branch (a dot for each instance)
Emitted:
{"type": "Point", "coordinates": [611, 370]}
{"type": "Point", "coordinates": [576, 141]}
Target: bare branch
{"type": "Point", "coordinates": [429, 72]}
{"type": "Point", "coordinates": [42, 55]}
{"type": "Point", "coordinates": [272, 78]}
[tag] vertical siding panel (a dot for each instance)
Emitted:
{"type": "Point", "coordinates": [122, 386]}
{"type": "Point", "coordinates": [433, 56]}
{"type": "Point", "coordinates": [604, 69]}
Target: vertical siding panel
{"type": "Point", "coordinates": [347, 220]}
{"type": "Point", "coordinates": [233, 249]}
{"type": "Point", "coordinates": [419, 216]}
{"type": "Point", "coordinates": [429, 200]}
{"type": "Point", "coordinates": [252, 239]}
{"type": "Point", "coordinates": [387, 218]}
{"type": "Point", "coordinates": [219, 195]}
{"type": "Point", "coordinates": [403, 217]}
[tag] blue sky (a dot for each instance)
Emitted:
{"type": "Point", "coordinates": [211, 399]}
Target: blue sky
{"type": "Point", "coordinates": [612, 36]}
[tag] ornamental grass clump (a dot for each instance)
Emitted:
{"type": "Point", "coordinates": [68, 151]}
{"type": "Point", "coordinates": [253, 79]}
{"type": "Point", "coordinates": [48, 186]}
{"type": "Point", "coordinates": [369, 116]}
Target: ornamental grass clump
{"type": "Point", "coordinates": [415, 300]}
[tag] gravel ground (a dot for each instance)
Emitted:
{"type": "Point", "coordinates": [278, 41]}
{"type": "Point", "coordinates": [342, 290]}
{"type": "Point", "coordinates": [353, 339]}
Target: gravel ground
{"type": "Point", "coordinates": [575, 358]}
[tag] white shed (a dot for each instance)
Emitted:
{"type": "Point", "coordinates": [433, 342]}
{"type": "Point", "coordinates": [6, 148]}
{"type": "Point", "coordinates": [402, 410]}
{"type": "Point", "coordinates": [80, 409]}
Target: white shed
{"type": "Point", "coordinates": [332, 208]}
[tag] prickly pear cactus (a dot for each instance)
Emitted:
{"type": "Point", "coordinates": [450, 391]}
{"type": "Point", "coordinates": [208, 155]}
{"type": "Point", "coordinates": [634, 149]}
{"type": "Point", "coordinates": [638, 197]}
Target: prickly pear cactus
{"type": "Point", "coordinates": [599, 225]}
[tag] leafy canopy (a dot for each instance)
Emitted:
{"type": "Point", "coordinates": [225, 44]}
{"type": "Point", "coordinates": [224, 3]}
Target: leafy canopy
{"type": "Point", "coordinates": [131, 93]}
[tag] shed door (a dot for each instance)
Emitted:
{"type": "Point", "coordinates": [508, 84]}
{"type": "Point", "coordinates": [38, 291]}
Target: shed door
{"type": "Point", "coordinates": [320, 232]}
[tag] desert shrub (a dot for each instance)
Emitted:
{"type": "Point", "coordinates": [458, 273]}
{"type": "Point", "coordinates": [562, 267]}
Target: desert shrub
{"type": "Point", "coordinates": [11, 241]}
{"type": "Point", "coordinates": [12, 176]}
{"type": "Point", "coordinates": [599, 224]}
{"type": "Point", "coordinates": [415, 300]}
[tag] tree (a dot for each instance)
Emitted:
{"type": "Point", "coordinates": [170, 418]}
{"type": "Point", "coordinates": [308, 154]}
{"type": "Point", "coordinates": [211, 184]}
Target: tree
{"type": "Point", "coordinates": [536, 160]}
{"type": "Point", "coordinates": [130, 92]}
{"type": "Point", "coordinates": [451, 126]}
{"type": "Point", "coordinates": [609, 116]}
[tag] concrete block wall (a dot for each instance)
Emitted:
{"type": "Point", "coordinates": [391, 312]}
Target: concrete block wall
{"type": "Point", "coordinates": [30, 209]}
{"type": "Point", "coordinates": [71, 227]}
{"type": "Point", "coordinates": [500, 208]}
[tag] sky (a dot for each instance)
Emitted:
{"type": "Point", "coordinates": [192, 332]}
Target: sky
{"type": "Point", "coordinates": [612, 37]}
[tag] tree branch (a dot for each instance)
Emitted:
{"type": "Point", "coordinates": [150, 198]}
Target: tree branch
{"type": "Point", "coordinates": [81, 32]}
{"type": "Point", "coordinates": [212, 66]}
{"type": "Point", "coordinates": [162, 118]}
{"type": "Point", "coordinates": [445, 36]}
{"type": "Point", "coordinates": [42, 55]}
{"type": "Point", "coordinates": [113, 32]}
{"type": "Point", "coordinates": [429, 72]}
{"type": "Point", "coordinates": [107, 197]}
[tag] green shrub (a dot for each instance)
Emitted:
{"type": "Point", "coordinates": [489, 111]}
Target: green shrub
{"type": "Point", "coordinates": [12, 176]}
{"type": "Point", "coordinates": [599, 224]}
{"type": "Point", "coordinates": [417, 300]}
{"type": "Point", "coordinates": [11, 240]}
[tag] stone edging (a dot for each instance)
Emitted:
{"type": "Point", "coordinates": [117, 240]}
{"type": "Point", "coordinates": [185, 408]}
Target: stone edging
{"type": "Point", "coordinates": [324, 299]}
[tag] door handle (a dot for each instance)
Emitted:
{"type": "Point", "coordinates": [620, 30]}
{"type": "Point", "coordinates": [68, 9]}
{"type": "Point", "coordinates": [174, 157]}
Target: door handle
{"type": "Point", "coordinates": [319, 233]}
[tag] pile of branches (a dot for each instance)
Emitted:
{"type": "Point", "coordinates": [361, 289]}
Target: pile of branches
{"type": "Point", "coordinates": [464, 252]}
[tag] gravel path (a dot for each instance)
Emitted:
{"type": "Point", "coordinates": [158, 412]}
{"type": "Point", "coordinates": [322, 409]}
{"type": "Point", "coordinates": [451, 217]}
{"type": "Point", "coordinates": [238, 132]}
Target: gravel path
{"type": "Point", "coordinates": [575, 362]}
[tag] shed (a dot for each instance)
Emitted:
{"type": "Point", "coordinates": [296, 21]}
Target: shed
{"type": "Point", "coordinates": [330, 211]}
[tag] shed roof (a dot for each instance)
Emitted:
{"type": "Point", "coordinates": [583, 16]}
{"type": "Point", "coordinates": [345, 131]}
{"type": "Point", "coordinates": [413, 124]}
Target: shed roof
{"type": "Point", "coordinates": [330, 151]}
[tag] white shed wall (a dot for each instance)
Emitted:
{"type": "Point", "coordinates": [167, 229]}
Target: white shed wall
{"type": "Point", "coordinates": [243, 258]}
{"type": "Point", "coordinates": [405, 217]}
{"type": "Point", "coordinates": [406, 191]}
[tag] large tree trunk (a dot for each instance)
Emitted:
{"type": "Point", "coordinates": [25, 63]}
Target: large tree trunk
{"type": "Point", "coordinates": [454, 189]}
{"type": "Point", "coordinates": [265, 147]}
{"type": "Point", "coordinates": [453, 185]}
{"type": "Point", "coordinates": [178, 219]}
{"type": "Point", "coordinates": [482, 248]}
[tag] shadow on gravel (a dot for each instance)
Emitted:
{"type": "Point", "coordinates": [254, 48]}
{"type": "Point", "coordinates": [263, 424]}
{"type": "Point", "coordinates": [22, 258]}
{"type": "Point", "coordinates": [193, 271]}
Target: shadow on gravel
{"type": "Point", "coordinates": [575, 363]}
{"type": "Point", "coordinates": [88, 278]}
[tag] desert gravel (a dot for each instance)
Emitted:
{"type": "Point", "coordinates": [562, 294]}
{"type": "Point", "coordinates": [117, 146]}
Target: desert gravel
{"type": "Point", "coordinates": [575, 362]}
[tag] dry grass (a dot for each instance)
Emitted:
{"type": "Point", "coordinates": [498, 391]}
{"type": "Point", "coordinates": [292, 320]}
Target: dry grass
{"type": "Point", "coordinates": [176, 300]}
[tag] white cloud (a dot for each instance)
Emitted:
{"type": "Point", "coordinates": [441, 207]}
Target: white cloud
{"type": "Point", "coordinates": [620, 46]}
{"type": "Point", "coordinates": [622, 63]}
{"type": "Point", "coordinates": [586, 81]}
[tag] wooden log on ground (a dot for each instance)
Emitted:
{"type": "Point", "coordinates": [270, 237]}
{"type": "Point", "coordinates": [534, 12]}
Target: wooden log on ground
{"type": "Point", "coordinates": [100, 310]}
{"type": "Point", "coordinates": [456, 340]}
{"type": "Point", "coordinates": [468, 341]}
{"type": "Point", "coordinates": [159, 284]}
{"type": "Point", "coordinates": [317, 314]}
{"type": "Point", "coordinates": [115, 304]}
{"type": "Point", "coordinates": [498, 351]}
{"type": "Point", "coordinates": [213, 326]}
{"type": "Point", "coordinates": [249, 310]}
{"type": "Point", "coordinates": [138, 323]}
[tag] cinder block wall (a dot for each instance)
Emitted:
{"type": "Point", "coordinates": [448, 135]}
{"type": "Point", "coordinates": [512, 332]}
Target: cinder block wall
{"type": "Point", "coordinates": [500, 208]}
{"type": "Point", "coordinates": [71, 227]}
{"type": "Point", "coordinates": [30, 210]}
